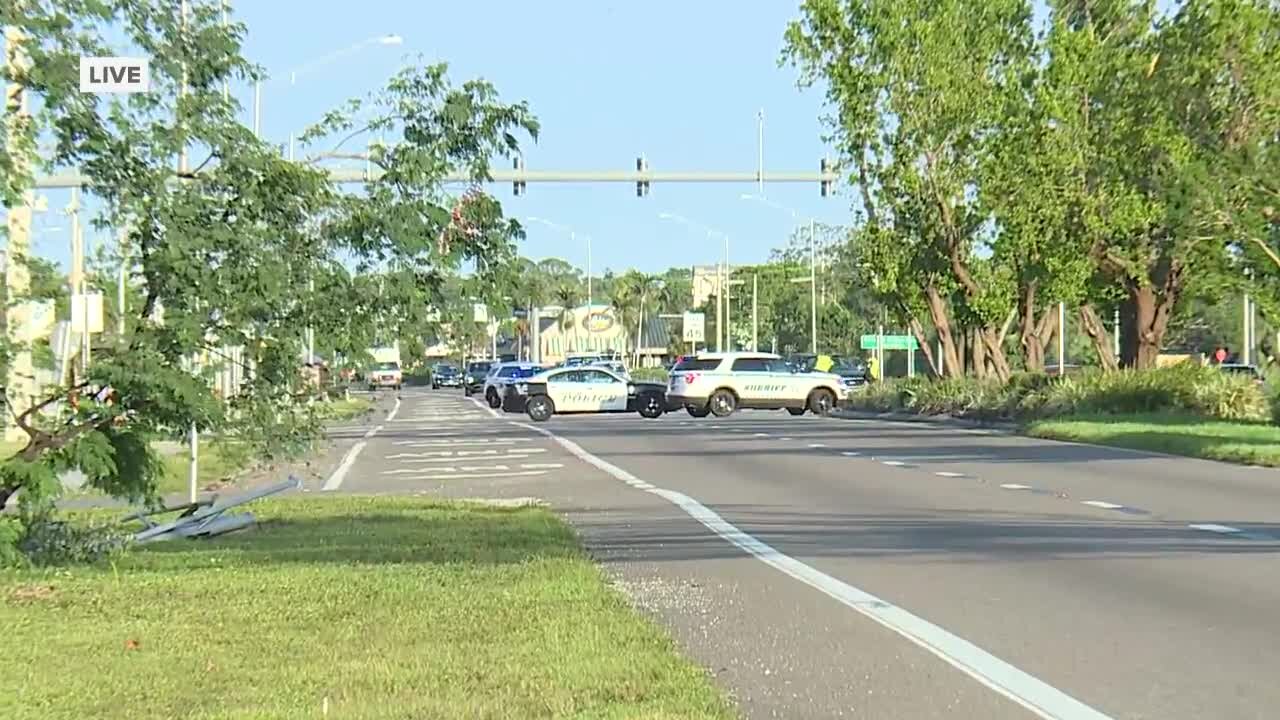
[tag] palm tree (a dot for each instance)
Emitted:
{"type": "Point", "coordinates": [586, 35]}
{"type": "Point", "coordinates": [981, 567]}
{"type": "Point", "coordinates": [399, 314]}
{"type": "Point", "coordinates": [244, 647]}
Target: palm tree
{"type": "Point", "coordinates": [567, 296]}
{"type": "Point", "coordinates": [531, 289]}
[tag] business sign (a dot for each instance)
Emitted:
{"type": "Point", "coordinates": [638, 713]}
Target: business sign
{"type": "Point", "coordinates": [695, 327]}
{"type": "Point", "coordinates": [890, 342]}
{"type": "Point", "coordinates": [597, 322]}
{"type": "Point", "coordinates": [114, 75]}
{"type": "Point", "coordinates": [480, 313]}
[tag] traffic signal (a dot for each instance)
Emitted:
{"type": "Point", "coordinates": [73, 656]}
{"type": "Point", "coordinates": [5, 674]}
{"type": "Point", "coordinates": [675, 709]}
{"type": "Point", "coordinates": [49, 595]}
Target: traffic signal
{"type": "Point", "coordinates": [517, 185]}
{"type": "Point", "coordinates": [826, 168]}
{"type": "Point", "coordinates": [642, 186]}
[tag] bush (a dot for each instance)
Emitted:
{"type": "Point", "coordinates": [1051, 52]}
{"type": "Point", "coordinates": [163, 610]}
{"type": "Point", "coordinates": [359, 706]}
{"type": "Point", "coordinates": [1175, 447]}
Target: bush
{"type": "Point", "coordinates": [647, 374]}
{"type": "Point", "coordinates": [1184, 388]}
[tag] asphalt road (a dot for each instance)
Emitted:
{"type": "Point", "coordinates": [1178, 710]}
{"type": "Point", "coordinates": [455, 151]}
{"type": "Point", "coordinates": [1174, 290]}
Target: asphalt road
{"type": "Point", "coordinates": [839, 568]}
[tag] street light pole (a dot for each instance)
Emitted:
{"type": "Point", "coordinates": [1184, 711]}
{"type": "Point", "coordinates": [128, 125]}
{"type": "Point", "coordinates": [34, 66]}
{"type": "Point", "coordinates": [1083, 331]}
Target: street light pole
{"type": "Point", "coordinates": [728, 280]}
{"type": "Point", "coordinates": [813, 290]}
{"type": "Point", "coordinates": [755, 312]}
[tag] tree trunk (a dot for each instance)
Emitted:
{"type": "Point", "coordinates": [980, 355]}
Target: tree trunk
{"type": "Point", "coordinates": [918, 331]}
{"type": "Point", "coordinates": [978, 353]}
{"type": "Point", "coordinates": [1034, 334]}
{"type": "Point", "coordinates": [938, 312]}
{"type": "Point", "coordinates": [1097, 332]}
{"type": "Point", "coordinates": [989, 338]}
{"type": "Point", "coordinates": [1146, 316]}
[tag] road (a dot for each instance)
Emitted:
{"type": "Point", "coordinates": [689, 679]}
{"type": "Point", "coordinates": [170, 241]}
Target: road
{"type": "Point", "coordinates": [839, 568]}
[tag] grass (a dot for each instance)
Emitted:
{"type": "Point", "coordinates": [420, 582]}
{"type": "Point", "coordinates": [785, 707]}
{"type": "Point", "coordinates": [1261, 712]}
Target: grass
{"type": "Point", "coordinates": [1250, 443]}
{"type": "Point", "coordinates": [347, 409]}
{"type": "Point", "coordinates": [218, 463]}
{"type": "Point", "coordinates": [387, 607]}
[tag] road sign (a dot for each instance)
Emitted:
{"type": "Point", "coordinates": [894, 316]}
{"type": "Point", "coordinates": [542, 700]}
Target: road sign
{"type": "Point", "coordinates": [890, 342]}
{"type": "Point", "coordinates": [480, 312]}
{"type": "Point", "coordinates": [86, 308]}
{"type": "Point", "coordinates": [695, 327]}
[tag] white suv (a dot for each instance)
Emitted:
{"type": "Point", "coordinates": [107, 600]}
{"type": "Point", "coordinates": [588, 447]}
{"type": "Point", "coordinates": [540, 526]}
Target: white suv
{"type": "Point", "coordinates": [720, 383]}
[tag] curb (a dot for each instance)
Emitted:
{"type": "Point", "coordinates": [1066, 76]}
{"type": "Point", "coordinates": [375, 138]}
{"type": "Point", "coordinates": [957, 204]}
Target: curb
{"type": "Point", "coordinates": [945, 420]}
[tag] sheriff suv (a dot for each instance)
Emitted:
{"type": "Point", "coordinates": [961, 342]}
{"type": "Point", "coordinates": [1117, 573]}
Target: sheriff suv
{"type": "Point", "coordinates": [720, 383]}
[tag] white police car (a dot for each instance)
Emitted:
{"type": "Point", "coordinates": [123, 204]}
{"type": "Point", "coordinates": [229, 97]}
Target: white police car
{"type": "Point", "coordinates": [583, 389]}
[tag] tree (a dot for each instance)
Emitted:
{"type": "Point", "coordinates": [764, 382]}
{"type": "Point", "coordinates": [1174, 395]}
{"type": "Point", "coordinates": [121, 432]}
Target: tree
{"type": "Point", "coordinates": [916, 89]}
{"type": "Point", "coordinates": [567, 297]}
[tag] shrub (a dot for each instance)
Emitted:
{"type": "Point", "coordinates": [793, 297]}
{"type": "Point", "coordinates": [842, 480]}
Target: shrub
{"type": "Point", "coordinates": [45, 540]}
{"type": "Point", "coordinates": [647, 374]}
{"type": "Point", "coordinates": [1187, 389]}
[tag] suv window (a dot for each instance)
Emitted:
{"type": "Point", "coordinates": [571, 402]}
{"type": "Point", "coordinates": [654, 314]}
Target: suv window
{"type": "Point", "coordinates": [751, 365]}
{"type": "Point", "coordinates": [387, 366]}
{"type": "Point", "coordinates": [694, 363]}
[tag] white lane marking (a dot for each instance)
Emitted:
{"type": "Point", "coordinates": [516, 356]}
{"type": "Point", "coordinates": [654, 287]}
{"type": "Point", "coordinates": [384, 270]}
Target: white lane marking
{"type": "Point", "coordinates": [465, 453]}
{"type": "Point", "coordinates": [1019, 686]}
{"type": "Point", "coordinates": [1101, 504]}
{"type": "Point", "coordinates": [850, 453]}
{"type": "Point", "coordinates": [394, 409]}
{"type": "Point", "coordinates": [1015, 486]}
{"type": "Point", "coordinates": [344, 467]}
{"type": "Point", "coordinates": [481, 468]}
{"type": "Point", "coordinates": [541, 466]}
{"type": "Point", "coordinates": [758, 434]}
{"type": "Point", "coordinates": [482, 406]}
{"type": "Point", "coordinates": [334, 481]}
{"type": "Point", "coordinates": [893, 463]}
{"type": "Point", "coordinates": [947, 474]}
{"type": "Point", "coordinates": [785, 438]}
{"type": "Point", "coordinates": [462, 476]}
{"type": "Point", "coordinates": [458, 442]}
{"type": "Point", "coordinates": [714, 427]}
{"type": "Point", "coordinates": [511, 456]}
{"type": "Point", "coordinates": [816, 445]}
{"type": "Point", "coordinates": [1213, 527]}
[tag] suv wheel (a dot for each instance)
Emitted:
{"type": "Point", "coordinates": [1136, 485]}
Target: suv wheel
{"type": "Point", "coordinates": [540, 408]}
{"type": "Point", "coordinates": [822, 401]}
{"type": "Point", "coordinates": [698, 412]}
{"type": "Point", "coordinates": [723, 403]}
{"type": "Point", "coordinates": [492, 398]}
{"type": "Point", "coordinates": [796, 411]}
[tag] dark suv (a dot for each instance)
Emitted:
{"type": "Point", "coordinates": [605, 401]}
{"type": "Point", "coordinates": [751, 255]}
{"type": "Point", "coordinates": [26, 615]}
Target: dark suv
{"type": "Point", "coordinates": [473, 378]}
{"type": "Point", "coordinates": [445, 376]}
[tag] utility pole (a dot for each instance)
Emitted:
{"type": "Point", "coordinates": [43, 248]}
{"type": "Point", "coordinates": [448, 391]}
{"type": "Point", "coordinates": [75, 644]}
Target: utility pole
{"type": "Point", "coordinates": [1115, 324]}
{"type": "Point", "coordinates": [1062, 339]}
{"type": "Point", "coordinates": [19, 385]}
{"type": "Point", "coordinates": [123, 235]}
{"type": "Point", "coordinates": [193, 440]}
{"type": "Point", "coordinates": [728, 282]}
{"type": "Point", "coordinates": [755, 312]}
{"type": "Point", "coordinates": [813, 288]}
{"type": "Point", "coordinates": [79, 286]}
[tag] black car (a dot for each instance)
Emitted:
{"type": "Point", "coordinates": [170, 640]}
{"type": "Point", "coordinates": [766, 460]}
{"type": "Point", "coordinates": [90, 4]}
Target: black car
{"type": "Point", "coordinates": [473, 379]}
{"type": "Point", "coordinates": [583, 390]}
{"type": "Point", "coordinates": [445, 376]}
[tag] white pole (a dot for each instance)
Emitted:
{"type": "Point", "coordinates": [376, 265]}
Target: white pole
{"type": "Point", "coordinates": [77, 268]}
{"type": "Point", "coordinates": [728, 290]}
{"type": "Point", "coordinates": [123, 279]}
{"type": "Point", "coordinates": [194, 435]}
{"type": "Point", "coordinates": [1062, 339]}
{"type": "Point", "coordinates": [911, 358]}
{"type": "Point", "coordinates": [813, 289]}
{"type": "Point", "coordinates": [755, 313]}
{"type": "Point", "coordinates": [1245, 333]}
{"type": "Point", "coordinates": [1115, 321]}
{"type": "Point", "coordinates": [719, 305]}
{"type": "Point", "coordinates": [942, 360]}
{"type": "Point", "coordinates": [880, 350]}
{"type": "Point", "coordinates": [760, 154]}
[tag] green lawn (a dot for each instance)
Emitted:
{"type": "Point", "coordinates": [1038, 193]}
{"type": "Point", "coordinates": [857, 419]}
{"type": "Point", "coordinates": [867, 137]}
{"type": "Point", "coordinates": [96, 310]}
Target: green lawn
{"type": "Point", "coordinates": [1254, 444]}
{"type": "Point", "coordinates": [218, 463]}
{"type": "Point", "coordinates": [386, 607]}
{"type": "Point", "coordinates": [347, 409]}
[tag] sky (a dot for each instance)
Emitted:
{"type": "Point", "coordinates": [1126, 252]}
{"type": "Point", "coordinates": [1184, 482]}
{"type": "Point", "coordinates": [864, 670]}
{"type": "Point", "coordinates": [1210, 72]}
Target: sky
{"type": "Point", "coordinates": [680, 82]}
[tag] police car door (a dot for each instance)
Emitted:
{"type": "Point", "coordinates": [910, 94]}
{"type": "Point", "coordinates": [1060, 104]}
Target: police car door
{"type": "Point", "coordinates": [792, 384]}
{"type": "Point", "coordinates": [607, 393]}
{"type": "Point", "coordinates": [566, 390]}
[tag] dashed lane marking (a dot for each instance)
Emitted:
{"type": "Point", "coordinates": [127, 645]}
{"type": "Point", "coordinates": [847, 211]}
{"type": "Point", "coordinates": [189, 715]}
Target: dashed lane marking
{"type": "Point", "coordinates": [464, 476]}
{"type": "Point", "coordinates": [1215, 528]}
{"type": "Point", "coordinates": [816, 445]}
{"type": "Point", "coordinates": [893, 463]}
{"type": "Point", "coordinates": [1101, 504]}
{"type": "Point", "coordinates": [1015, 486]}
{"type": "Point", "coordinates": [948, 474]}
{"type": "Point", "coordinates": [850, 453]}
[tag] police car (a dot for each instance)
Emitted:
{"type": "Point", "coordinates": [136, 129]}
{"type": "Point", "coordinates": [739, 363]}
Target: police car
{"type": "Point", "coordinates": [583, 389]}
{"type": "Point", "coordinates": [721, 383]}
{"type": "Point", "coordinates": [504, 374]}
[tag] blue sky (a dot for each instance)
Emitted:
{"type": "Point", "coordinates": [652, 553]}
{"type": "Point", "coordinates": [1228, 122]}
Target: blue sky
{"type": "Point", "coordinates": [680, 82]}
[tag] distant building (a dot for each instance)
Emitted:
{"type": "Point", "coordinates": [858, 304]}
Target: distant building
{"type": "Point", "coordinates": [578, 330]}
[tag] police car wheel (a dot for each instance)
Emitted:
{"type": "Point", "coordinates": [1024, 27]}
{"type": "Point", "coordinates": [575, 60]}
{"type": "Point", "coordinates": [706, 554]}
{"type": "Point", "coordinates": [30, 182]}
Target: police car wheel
{"type": "Point", "coordinates": [821, 401]}
{"type": "Point", "coordinates": [698, 412]}
{"type": "Point", "coordinates": [796, 411]}
{"type": "Point", "coordinates": [723, 403]}
{"type": "Point", "coordinates": [540, 408]}
{"type": "Point", "coordinates": [466, 391]}
{"type": "Point", "coordinates": [492, 397]}
{"type": "Point", "coordinates": [651, 407]}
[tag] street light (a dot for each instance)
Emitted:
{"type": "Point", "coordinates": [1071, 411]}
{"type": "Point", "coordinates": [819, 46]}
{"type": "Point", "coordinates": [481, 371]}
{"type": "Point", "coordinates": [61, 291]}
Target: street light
{"type": "Point", "coordinates": [386, 40]}
{"type": "Point", "coordinates": [722, 295]}
{"type": "Point", "coordinates": [813, 264]}
{"type": "Point", "coordinates": [573, 239]}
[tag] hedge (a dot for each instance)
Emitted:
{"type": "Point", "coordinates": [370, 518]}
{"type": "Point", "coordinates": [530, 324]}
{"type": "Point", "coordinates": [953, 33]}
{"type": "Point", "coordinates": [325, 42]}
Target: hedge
{"type": "Point", "coordinates": [1182, 389]}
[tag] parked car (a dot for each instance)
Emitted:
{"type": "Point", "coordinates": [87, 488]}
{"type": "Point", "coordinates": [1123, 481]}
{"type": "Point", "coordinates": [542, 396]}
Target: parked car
{"type": "Point", "coordinates": [473, 378]}
{"type": "Point", "coordinates": [443, 375]}
{"type": "Point", "coordinates": [502, 374]}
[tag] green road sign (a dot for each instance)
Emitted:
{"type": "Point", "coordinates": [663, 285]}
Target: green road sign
{"type": "Point", "coordinates": [891, 342]}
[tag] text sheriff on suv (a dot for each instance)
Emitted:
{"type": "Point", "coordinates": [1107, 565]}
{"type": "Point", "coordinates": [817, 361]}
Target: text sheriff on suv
{"type": "Point", "coordinates": [720, 383]}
